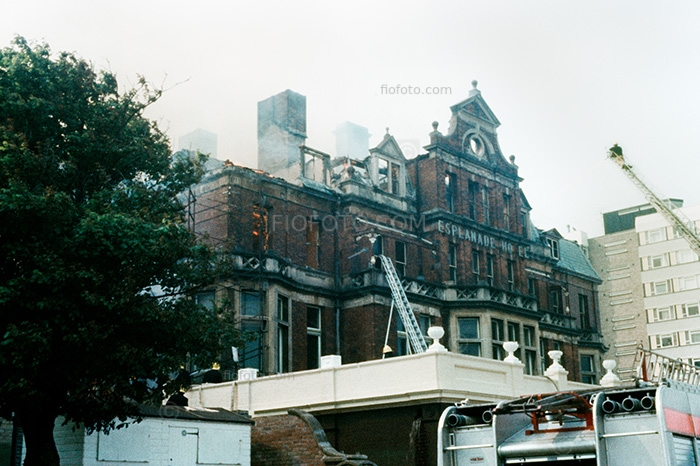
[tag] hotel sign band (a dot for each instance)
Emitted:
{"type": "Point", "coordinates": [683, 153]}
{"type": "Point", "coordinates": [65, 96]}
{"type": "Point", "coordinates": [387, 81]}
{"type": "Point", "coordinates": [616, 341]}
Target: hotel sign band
{"type": "Point", "coordinates": [459, 232]}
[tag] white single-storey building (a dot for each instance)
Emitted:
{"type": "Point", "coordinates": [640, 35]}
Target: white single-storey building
{"type": "Point", "coordinates": [167, 436]}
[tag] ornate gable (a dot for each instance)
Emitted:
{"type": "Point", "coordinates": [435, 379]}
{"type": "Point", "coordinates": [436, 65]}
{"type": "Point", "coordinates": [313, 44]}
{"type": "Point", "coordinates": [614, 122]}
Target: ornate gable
{"type": "Point", "coordinates": [472, 134]}
{"type": "Point", "coordinates": [389, 148]}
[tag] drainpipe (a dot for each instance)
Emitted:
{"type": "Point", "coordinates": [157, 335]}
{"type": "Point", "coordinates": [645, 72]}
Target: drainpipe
{"type": "Point", "coordinates": [337, 278]}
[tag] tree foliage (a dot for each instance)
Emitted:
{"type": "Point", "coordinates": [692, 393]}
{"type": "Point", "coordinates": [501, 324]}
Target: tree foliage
{"type": "Point", "coordinates": [96, 265]}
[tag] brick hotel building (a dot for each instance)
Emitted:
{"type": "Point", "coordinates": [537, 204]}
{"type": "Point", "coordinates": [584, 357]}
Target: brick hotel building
{"type": "Point", "coordinates": [302, 229]}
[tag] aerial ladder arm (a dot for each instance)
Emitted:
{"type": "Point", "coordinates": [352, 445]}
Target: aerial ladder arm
{"type": "Point", "coordinates": [416, 340]}
{"type": "Point", "coordinates": [674, 217]}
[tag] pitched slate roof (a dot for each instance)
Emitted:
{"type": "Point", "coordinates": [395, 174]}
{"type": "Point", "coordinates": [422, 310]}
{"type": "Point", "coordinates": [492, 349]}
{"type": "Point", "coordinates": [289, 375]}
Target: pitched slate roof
{"type": "Point", "coordinates": [572, 259]}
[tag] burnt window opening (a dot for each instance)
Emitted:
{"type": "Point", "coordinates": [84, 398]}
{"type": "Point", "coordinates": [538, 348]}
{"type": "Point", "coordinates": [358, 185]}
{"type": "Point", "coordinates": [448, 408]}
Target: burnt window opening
{"type": "Point", "coordinates": [394, 179]}
{"type": "Point", "coordinates": [261, 233]}
{"type": "Point", "coordinates": [452, 258]}
{"type": "Point", "coordinates": [389, 176]}
{"type": "Point", "coordinates": [377, 250]}
{"type": "Point", "coordinates": [383, 174]}
{"type": "Point", "coordinates": [506, 212]}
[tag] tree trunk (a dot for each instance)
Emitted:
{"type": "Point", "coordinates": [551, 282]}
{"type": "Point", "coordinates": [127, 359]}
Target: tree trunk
{"type": "Point", "coordinates": [37, 427]}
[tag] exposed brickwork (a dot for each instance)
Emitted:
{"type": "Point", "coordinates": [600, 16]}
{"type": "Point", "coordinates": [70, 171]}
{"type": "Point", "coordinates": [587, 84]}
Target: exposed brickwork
{"type": "Point", "coordinates": [283, 441]}
{"type": "Point", "coordinates": [296, 439]}
{"type": "Point", "coordinates": [390, 437]}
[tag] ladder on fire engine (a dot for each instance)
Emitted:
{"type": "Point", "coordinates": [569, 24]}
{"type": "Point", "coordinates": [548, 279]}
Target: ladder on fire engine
{"type": "Point", "coordinates": [417, 343]}
{"type": "Point", "coordinates": [657, 368]}
{"type": "Point", "coordinates": [673, 216]}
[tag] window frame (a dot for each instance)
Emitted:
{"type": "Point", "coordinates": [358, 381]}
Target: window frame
{"type": "Point", "coordinates": [469, 341]}
{"type": "Point", "coordinates": [283, 334]}
{"type": "Point", "coordinates": [313, 334]}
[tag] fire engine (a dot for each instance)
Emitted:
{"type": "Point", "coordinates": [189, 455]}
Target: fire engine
{"type": "Point", "coordinates": [655, 420]}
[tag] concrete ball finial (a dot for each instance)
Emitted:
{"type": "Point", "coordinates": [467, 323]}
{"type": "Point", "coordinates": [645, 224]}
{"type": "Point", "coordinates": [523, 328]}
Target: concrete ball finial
{"type": "Point", "coordinates": [475, 83]}
{"type": "Point", "coordinates": [435, 125]}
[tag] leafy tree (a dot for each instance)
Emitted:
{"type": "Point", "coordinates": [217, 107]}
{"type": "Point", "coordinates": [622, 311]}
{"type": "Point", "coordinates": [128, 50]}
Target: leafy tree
{"type": "Point", "coordinates": [97, 268]}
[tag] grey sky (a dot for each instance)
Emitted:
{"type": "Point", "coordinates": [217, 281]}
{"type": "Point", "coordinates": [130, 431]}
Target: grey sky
{"type": "Point", "coordinates": [566, 79]}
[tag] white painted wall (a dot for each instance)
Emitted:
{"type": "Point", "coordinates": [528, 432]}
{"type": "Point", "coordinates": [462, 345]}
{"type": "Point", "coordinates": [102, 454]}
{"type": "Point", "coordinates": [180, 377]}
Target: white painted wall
{"type": "Point", "coordinates": [157, 441]}
{"type": "Point", "coordinates": [428, 377]}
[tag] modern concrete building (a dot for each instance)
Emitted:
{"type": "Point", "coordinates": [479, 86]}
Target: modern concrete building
{"type": "Point", "coordinates": [303, 232]}
{"type": "Point", "coordinates": [670, 275]}
{"type": "Point", "coordinates": [650, 290]}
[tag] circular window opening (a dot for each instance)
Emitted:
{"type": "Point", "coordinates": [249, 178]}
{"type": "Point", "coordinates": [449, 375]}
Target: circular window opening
{"type": "Point", "coordinates": [476, 145]}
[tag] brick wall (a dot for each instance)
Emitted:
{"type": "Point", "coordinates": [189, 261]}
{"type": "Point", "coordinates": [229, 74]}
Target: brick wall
{"type": "Point", "coordinates": [283, 441]}
{"type": "Point", "coordinates": [296, 439]}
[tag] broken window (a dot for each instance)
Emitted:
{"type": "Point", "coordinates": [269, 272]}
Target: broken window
{"type": "Point", "coordinates": [383, 174]}
{"type": "Point", "coordinates": [395, 177]}
{"type": "Point", "coordinates": [389, 176]}
{"type": "Point", "coordinates": [506, 212]}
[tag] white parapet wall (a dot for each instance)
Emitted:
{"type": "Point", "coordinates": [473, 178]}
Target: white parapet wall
{"type": "Point", "coordinates": [432, 377]}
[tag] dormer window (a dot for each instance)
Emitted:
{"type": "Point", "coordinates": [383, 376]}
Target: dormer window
{"type": "Point", "coordinates": [389, 176]}
{"type": "Point", "coordinates": [553, 247]}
